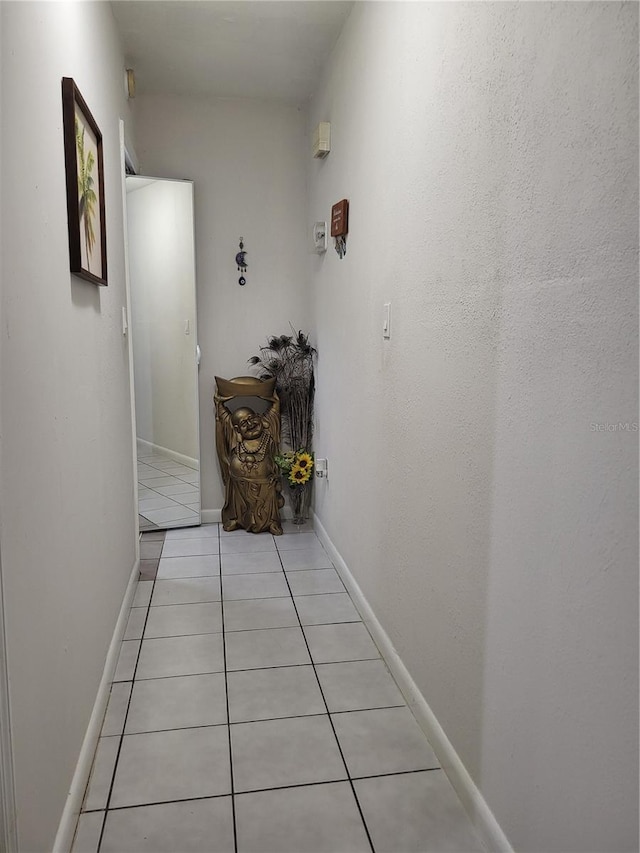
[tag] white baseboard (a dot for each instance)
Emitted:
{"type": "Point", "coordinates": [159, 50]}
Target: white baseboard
{"type": "Point", "coordinates": [210, 516]}
{"type": "Point", "coordinates": [71, 812]}
{"type": "Point", "coordinates": [172, 454]}
{"type": "Point", "coordinates": [474, 803]}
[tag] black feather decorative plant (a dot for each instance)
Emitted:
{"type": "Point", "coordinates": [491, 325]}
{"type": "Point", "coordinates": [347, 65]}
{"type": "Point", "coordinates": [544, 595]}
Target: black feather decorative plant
{"type": "Point", "coordinates": [289, 360]}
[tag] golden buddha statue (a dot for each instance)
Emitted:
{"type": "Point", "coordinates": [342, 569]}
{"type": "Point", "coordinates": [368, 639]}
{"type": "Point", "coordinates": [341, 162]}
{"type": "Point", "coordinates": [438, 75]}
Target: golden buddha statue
{"type": "Point", "coordinates": [247, 442]}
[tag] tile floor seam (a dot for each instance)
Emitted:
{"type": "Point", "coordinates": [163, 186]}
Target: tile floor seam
{"type": "Point", "coordinates": [277, 572]}
{"type": "Point", "coordinates": [173, 636]}
{"type": "Point", "coordinates": [166, 802]}
{"type": "Point", "coordinates": [174, 728]}
{"type": "Point", "coordinates": [249, 630]}
{"type": "Point", "coordinates": [262, 790]}
{"type": "Point", "coordinates": [328, 782]}
{"type": "Point", "coordinates": [155, 495]}
{"type": "Point", "coordinates": [187, 603]}
{"type": "Point", "coordinates": [278, 719]}
{"type": "Point", "coordinates": [315, 714]}
{"type": "Point", "coordinates": [314, 625]}
{"type": "Point", "coordinates": [313, 594]}
{"type": "Point", "coordinates": [236, 553]}
{"type": "Point", "coordinates": [362, 710]}
{"type": "Point", "coordinates": [274, 666]}
{"type": "Point", "coordinates": [398, 773]}
{"type": "Point", "coordinates": [177, 476]}
{"type": "Point", "coordinates": [169, 677]}
{"type": "Point", "coordinates": [189, 578]}
{"type": "Point", "coordinates": [349, 779]}
{"type": "Point", "coordinates": [226, 689]}
{"type": "Point", "coordinates": [183, 675]}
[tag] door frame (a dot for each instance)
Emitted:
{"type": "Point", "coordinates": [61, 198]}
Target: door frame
{"type": "Point", "coordinates": [126, 160]}
{"type": "Point", "coordinates": [131, 163]}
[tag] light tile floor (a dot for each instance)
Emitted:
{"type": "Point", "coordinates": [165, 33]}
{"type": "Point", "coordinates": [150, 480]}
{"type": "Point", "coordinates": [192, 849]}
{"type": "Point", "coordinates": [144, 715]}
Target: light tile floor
{"type": "Point", "coordinates": [251, 713]}
{"type": "Point", "coordinates": [168, 491]}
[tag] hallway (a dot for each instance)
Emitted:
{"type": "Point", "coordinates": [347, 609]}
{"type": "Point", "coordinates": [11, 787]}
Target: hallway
{"type": "Point", "coordinates": [481, 503]}
{"type": "Point", "coordinates": [246, 717]}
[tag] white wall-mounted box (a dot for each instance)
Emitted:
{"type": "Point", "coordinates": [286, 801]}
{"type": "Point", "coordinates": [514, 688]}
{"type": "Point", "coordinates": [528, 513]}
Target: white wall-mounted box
{"type": "Point", "coordinates": [322, 139]}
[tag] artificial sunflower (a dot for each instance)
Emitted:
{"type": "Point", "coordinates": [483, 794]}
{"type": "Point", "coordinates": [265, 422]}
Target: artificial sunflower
{"type": "Point", "coordinates": [304, 460]}
{"type": "Point", "coordinates": [299, 475]}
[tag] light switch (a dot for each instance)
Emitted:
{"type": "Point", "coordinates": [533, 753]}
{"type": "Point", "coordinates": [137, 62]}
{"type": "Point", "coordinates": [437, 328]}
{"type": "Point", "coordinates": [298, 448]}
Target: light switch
{"type": "Point", "coordinates": [386, 321]}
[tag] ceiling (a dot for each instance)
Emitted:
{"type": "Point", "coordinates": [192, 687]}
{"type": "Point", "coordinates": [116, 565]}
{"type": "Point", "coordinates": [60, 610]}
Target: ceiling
{"type": "Point", "coordinates": [271, 49]}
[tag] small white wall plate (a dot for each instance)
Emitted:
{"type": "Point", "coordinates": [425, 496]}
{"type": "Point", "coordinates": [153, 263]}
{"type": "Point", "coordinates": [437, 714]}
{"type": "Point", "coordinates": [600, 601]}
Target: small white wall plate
{"type": "Point", "coordinates": [320, 237]}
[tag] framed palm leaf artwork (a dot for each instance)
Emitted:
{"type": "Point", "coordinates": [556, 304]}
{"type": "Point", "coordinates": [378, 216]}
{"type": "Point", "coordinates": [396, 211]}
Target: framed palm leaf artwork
{"type": "Point", "coordinates": [85, 187]}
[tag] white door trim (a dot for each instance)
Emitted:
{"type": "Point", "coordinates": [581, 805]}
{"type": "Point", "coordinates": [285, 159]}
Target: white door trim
{"type": "Point", "coordinates": [125, 156]}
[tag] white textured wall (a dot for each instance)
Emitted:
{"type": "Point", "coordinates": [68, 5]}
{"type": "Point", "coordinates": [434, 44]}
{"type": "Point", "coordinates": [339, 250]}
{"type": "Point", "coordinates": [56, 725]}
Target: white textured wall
{"type": "Point", "coordinates": [247, 160]}
{"type": "Point", "coordinates": [162, 277]}
{"type": "Point", "coordinates": [489, 152]}
{"type": "Point", "coordinates": [66, 493]}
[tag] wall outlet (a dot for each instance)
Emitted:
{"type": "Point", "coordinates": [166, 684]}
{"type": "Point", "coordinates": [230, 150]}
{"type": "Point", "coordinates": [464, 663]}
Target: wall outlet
{"type": "Point", "coordinates": [322, 468]}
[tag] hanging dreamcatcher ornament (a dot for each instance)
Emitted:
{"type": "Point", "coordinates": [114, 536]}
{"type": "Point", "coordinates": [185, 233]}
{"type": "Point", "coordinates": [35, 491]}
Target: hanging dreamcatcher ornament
{"type": "Point", "coordinates": [241, 261]}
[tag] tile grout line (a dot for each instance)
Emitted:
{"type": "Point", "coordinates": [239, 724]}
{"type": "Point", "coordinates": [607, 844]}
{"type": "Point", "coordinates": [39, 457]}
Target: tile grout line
{"type": "Point", "coordinates": [226, 692]}
{"type": "Point", "coordinates": [168, 460]}
{"type": "Point", "coordinates": [313, 625]}
{"type": "Point", "coordinates": [264, 790]}
{"type": "Point", "coordinates": [159, 494]}
{"type": "Point", "coordinates": [315, 672]}
{"type": "Point", "coordinates": [258, 720]}
{"type": "Point", "coordinates": [124, 722]}
{"type": "Point", "coordinates": [259, 598]}
{"type": "Point", "coordinates": [261, 669]}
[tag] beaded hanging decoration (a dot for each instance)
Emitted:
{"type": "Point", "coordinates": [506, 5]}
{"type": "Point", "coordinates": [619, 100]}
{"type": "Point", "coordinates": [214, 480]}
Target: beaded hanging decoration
{"type": "Point", "coordinates": [241, 261]}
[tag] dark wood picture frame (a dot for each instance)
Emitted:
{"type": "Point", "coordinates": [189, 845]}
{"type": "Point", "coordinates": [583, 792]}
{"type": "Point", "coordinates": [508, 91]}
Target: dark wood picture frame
{"type": "Point", "coordinates": [84, 168]}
